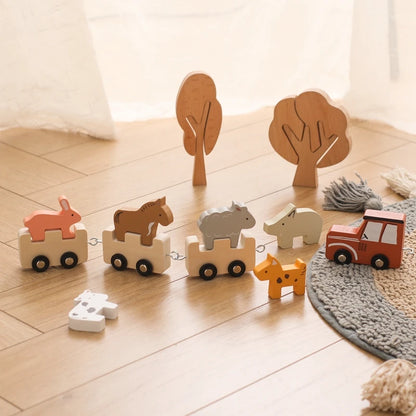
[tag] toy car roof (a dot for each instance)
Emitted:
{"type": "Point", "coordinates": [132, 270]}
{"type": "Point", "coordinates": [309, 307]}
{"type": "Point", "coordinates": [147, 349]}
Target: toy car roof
{"type": "Point", "coordinates": [372, 214]}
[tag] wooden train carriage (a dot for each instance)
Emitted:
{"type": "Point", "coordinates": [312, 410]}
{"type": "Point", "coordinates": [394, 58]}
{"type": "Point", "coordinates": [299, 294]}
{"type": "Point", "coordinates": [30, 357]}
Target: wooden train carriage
{"type": "Point", "coordinates": [222, 259]}
{"type": "Point", "coordinates": [131, 254]}
{"type": "Point", "coordinates": [53, 250]}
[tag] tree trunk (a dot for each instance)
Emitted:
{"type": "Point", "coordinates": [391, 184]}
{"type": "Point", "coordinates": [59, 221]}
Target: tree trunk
{"type": "Point", "coordinates": [199, 176]}
{"type": "Point", "coordinates": [306, 174]}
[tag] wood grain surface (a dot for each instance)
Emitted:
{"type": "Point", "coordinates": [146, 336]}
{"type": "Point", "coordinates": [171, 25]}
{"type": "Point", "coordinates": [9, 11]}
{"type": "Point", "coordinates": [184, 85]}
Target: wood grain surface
{"type": "Point", "coordinates": [180, 345]}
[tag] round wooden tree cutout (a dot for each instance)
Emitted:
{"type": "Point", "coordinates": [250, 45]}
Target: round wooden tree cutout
{"type": "Point", "coordinates": [310, 132]}
{"type": "Point", "coordinates": [200, 116]}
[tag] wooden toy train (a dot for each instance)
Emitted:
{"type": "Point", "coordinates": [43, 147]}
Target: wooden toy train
{"type": "Point", "coordinates": [57, 238]}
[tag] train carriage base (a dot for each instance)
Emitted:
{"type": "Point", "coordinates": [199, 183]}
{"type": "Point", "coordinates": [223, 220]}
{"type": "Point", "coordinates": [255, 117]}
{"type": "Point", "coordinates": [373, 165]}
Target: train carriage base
{"type": "Point", "coordinates": [53, 250]}
{"type": "Point", "coordinates": [131, 254]}
{"type": "Point", "coordinates": [222, 259]}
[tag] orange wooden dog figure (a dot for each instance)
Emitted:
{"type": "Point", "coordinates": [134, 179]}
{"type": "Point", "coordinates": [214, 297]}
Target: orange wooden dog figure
{"type": "Point", "coordinates": [42, 220]}
{"type": "Point", "coordinates": [143, 221]}
{"type": "Point", "coordinates": [281, 276]}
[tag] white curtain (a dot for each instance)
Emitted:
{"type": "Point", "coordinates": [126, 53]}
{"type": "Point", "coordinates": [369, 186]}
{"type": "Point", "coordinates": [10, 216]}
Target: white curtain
{"type": "Point", "coordinates": [49, 76]}
{"type": "Point", "coordinates": [257, 51]}
{"type": "Point", "coordinates": [383, 63]}
{"type": "Point", "coordinates": [80, 65]}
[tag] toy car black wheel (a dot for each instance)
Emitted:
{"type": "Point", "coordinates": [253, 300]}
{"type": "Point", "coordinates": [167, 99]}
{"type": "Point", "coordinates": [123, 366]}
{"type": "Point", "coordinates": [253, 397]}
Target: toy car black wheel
{"type": "Point", "coordinates": [69, 260]}
{"type": "Point", "coordinates": [119, 262]}
{"type": "Point", "coordinates": [236, 268]}
{"type": "Point", "coordinates": [380, 261]}
{"type": "Point", "coordinates": [40, 264]}
{"type": "Point", "coordinates": [207, 271]}
{"type": "Point", "coordinates": [342, 257]}
{"type": "Point", "coordinates": [144, 267]}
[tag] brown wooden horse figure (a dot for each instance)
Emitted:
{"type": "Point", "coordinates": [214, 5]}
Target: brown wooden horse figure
{"type": "Point", "coordinates": [281, 276]}
{"type": "Point", "coordinates": [143, 221]}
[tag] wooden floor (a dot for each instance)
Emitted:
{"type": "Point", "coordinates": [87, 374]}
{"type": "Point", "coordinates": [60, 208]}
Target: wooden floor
{"type": "Point", "coordinates": [180, 345]}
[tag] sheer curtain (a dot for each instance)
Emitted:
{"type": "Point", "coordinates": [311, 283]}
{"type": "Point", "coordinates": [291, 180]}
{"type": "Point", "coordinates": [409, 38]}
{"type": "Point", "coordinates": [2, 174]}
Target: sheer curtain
{"type": "Point", "coordinates": [81, 65]}
{"type": "Point", "coordinates": [256, 51]}
{"type": "Point", "coordinates": [383, 63]}
{"type": "Point", "coordinates": [49, 76]}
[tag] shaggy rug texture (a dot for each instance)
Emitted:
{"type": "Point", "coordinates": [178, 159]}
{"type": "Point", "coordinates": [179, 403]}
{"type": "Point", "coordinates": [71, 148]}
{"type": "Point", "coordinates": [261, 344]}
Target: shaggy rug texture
{"type": "Point", "coordinates": [374, 309]}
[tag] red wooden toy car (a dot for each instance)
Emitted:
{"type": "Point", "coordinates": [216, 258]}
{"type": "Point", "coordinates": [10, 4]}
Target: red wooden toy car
{"type": "Point", "coordinates": [378, 240]}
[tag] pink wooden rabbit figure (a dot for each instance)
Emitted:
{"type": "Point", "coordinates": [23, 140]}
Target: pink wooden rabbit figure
{"type": "Point", "coordinates": [40, 221]}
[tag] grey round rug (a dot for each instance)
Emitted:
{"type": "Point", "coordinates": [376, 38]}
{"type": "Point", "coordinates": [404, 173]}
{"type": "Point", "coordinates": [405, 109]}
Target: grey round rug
{"type": "Point", "coordinates": [374, 309]}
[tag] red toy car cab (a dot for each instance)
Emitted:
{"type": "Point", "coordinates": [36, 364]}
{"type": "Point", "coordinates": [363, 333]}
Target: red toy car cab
{"type": "Point", "coordinates": [378, 240]}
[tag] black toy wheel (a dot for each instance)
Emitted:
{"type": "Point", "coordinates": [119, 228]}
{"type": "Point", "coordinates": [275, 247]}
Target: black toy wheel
{"type": "Point", "coordinates": [119, 262]}
{"type": "Point", "coordinates": [342, 257]}
{"type": "Point", "coordinates": [236, 268]}
{"type": "Point", "coordinates": [207, 271]}
{"type": "Point", "coordinates": [380, 261]}
{"type": "Point", "coordinates": [144, 267]}
{"type": "Point", "coordinates": [69, 260]}
{"type": "Point", "coordinates": [40, 264]}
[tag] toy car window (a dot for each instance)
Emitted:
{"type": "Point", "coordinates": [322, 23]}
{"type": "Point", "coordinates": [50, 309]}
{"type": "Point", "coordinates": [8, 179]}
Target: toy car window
{"type": "Point", "coordinates": [372, 231]}
{"type": "Point", "coordinates": [390, 234]}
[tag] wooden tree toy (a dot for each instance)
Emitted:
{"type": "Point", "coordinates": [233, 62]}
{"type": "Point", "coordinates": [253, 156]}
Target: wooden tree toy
{"type": "Point", "coordinates": [281, 276]}
{"type": "Point", "coordinates": [310, 132]}
{"type": "Point", "coordinates": [292, 222]}
{"type": "Point", "coordinates": [143, 221]}
{"type": "Point", "coordinates": [199, 114]}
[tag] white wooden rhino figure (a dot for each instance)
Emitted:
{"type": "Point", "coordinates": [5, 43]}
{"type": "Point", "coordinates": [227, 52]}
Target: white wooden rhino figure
{"type": "Point", "coordinates": [293, 222]}
{"type": "Point", "coordinates": [225, 222]}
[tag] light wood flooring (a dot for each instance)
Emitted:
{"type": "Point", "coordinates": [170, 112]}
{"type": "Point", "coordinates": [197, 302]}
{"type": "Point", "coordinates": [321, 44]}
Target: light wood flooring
{"type": "Point", "coordinates": [180, 345]}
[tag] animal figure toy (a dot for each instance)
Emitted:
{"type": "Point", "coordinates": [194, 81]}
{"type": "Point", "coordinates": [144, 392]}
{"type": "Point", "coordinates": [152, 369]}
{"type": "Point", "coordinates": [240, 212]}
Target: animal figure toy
{"type": "Point", "coordinates": [90, 311]}
{"type": "Point", "coordinates": [53, 238]}
{"type": "Point", "coordinates": [40, 221]}
{"type": "Point", "coordinates": [143, 221]}
{"type": "Point", "coordinates": [292, 222]}
{"type": "Point", "coordinates": [133, 242]}
{"type": "Point", "coordinates": [281, 276]}
{"type": "Point", "coordinates": [219, 223]}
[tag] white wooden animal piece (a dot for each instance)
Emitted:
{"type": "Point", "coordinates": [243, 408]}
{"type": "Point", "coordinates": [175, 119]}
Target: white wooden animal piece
{"type": "Point", "coordinates": [90, 311]}
{"type": "Point", "coordinates": [218, 223]}
{"type": "Point", "coordinates": [292, 222]}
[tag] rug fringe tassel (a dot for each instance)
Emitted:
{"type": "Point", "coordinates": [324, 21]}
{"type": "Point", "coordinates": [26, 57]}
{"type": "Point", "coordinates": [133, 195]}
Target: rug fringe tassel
{"type": "Point", "coordinates": [349, 196]}
{"type": "Point", "coordinates": [392, 387]}
{"type": "Point", "coordinates": [402, 182]}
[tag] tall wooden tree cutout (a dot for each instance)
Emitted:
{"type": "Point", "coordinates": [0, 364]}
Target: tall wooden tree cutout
{"type": "Point", "coordinates": [310, 132]}
{"type": "Point", "coordinates": [199, 114]}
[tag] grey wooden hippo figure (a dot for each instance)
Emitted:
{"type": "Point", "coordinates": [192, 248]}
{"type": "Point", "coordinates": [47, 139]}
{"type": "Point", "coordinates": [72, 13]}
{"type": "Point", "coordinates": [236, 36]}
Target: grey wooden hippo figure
{"type": "Point", "coordinates": [225, 223]}
{"type": "Point", "coordinates": [293, 222]}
